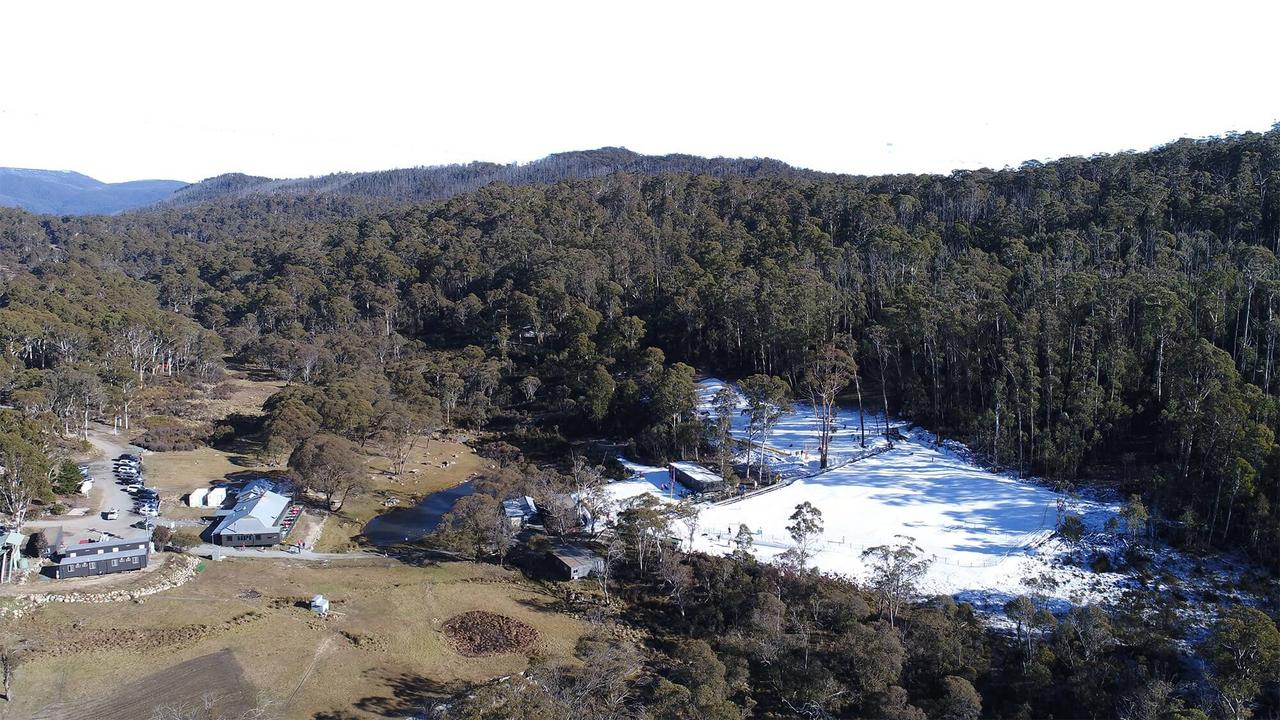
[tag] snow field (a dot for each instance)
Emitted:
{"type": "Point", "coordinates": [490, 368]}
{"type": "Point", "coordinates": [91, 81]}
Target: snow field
{"type": "Point", "coordinates": [988, 534]}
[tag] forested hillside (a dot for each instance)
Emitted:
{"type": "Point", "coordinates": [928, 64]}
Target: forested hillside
{"type": "Point", "coordinates": [1108, 319]}
{"type": "Point", "coordinates": [441, 181]}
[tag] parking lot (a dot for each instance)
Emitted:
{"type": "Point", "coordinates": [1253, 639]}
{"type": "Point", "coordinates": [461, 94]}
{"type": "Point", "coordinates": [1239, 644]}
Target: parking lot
{"type": "Point", "coordinates": [107, 493]}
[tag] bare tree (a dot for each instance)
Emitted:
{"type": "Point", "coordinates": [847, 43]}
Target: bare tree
{"type": "Point", "coordinates": [827, 375]}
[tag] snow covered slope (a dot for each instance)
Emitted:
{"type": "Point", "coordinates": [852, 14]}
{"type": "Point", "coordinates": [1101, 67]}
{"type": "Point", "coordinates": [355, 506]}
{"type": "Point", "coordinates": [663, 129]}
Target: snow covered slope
{"type": "Point", "coordinates": [989, 534]}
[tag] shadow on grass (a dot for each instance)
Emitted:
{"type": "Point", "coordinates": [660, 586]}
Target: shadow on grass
{"type": "Point", "coordinates": [411, 695]}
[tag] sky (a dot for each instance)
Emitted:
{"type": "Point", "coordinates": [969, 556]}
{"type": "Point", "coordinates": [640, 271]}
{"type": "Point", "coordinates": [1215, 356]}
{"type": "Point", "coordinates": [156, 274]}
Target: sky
{"type": "Point", "coordinates": [192, 89]}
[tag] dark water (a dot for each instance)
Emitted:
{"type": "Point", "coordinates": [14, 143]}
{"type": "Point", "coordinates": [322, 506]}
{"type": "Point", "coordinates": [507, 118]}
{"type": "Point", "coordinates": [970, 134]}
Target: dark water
{"type": "Point", "coordinates": [412, 523]}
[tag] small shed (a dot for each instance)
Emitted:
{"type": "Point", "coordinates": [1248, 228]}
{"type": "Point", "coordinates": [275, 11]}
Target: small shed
{"type": "Point", "coordinates": [320, 605]}
{"type": "Point", "coordinates": [215, 497]}
{"type": "Point", "coordinates": [196, 497]}
{"type": "Point", "coordinates": [86, 486]}
{"type": "Point", "coordinates": [574, 562]}
{"type": "Point", "coordinates": [695, 477]}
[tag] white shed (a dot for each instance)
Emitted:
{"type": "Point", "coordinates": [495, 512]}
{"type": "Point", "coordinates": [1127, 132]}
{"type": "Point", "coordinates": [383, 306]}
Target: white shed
{"type": "Point", "coordinates": [215, 497]}
{"type": "Point", "coordinates": [196, 498]}
{"type": "Point", "coordinates": [320, 605]}
{"type": "Point", "coordinates": [86, 487]}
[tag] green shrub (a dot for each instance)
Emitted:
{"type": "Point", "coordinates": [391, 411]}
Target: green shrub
{"type": "Point", "coordinates": [68, 479]}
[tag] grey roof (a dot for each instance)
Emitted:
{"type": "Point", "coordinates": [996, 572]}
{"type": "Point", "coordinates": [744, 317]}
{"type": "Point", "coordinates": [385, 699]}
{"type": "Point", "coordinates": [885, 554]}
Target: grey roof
{"type": "Point", "coordinates": [99, 548]}
{"type": "Point", "coordinates": [698, 473]}
{"type": "Point", "coordinates": [256, 512]}
{"type": "Point", "coordinates": [70, 560]}
{"type": "Point", "coordinates": [519, 507]}
{"type": "Point", "coordinates": [575, 555]}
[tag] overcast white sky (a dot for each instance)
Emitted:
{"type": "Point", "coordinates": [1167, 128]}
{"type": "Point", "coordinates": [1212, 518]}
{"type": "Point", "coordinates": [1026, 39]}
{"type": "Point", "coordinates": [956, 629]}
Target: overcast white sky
{"type": "Point", "coordinates": [188, 90]}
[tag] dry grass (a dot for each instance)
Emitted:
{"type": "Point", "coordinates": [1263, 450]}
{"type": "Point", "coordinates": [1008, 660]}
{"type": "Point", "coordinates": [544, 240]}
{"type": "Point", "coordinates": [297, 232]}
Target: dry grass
{"type": "Point", "coordinates": [379, 649]}
{"type": "Point", "coordinates": [178, 473]}
{"type": "Point", "coordinates": [407, 489]}
{"type": "Point", "coordinates": [248, 392]}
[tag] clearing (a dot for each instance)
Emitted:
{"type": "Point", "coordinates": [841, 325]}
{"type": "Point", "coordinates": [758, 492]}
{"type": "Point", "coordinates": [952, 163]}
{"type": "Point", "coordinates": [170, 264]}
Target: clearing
{"type": "Point", "coordinates": [247, 623]}
{"type": "Point", "coordinates": [988, 534]}
{"type": "Point", "coordinates": [440, 465]}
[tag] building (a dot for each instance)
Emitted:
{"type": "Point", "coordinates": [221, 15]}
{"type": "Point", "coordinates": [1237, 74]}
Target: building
{"type": "Point", "coordinates": [196, 497]}
{"type": "Point", "coordinates": [10, 554]}
{"type": "Point", "coordinates": [695, 477]}
{"type": "Point", "coordinates": [320, 605]}
{"type": "Point", "coordinates": [574, 562]}
{"type": "Point", "coordinates": [258, 519]}
{"type": "Point", "coordinates": [215, 497]}
{"type": "Point", "coordinates": [101, 558]}
{"type": "Point", "coordinates": [520, 511]}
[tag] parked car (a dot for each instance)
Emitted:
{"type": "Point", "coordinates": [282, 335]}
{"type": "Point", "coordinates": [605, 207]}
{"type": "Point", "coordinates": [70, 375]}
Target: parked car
{"type": "Point", "coordinates": [111, 514]}
{"type": "Point", "coordinates": [133, 488]}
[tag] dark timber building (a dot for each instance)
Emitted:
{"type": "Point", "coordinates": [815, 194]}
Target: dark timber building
{"type": "Point", "coordinates": [101, 558]}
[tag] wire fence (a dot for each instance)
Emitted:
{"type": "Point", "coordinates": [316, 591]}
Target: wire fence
{"type": "Point", "coordinates": [843, 546]}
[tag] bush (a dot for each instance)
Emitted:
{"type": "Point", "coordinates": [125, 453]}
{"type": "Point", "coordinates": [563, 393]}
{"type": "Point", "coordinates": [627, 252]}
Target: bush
{"type": "Point", "coordinates": [1100, 563]}
{"type": "Point", "coordinates": [38, 545]}
{"type": "Point", "coordinates": [151, 422]}
{"type": "Point", "coordinates": [185, 539]}
{"type": "Point", "coordinates": [57, 509]}
{"type": "Point", "coordinates": [169, 439]}
{"type": "Point", "coordinates": [1071, 528]}
{"type": "Point", "coordinates": [161, 535]}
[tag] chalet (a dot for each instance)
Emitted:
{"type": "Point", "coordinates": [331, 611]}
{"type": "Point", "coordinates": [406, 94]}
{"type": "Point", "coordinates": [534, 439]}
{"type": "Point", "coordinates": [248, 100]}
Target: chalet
{"type": "Point", "coordinates": [101, 558]}
{"type": "Point", "coordinates": [520, 511]}
{"type": "Point", "coordinates": [574, 562]}
{"type": "Point", "coordinates": [258, 519]}
{"type": "Point", "coordinates": [695, 477]}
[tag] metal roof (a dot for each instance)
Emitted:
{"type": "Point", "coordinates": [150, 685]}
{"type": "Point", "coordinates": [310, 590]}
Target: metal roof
{"type": "Point", "coordinates": [70, 559]}
{"type": "Point", "coordinates": [519, 507]}
{"type": "Point", "coordinates": [697, 472]}
{"type": "Point", "coordinates": [256, 512]}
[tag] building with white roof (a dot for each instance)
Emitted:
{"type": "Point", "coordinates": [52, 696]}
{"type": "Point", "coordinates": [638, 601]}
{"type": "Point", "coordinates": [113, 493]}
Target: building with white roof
{"type": "Point", "coordinates": [257, 519]}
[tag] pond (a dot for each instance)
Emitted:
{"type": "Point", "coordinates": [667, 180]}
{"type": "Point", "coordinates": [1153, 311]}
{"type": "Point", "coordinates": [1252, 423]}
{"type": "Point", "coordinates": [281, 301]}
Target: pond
{"type": "Point", "coordinates": [412, 523]}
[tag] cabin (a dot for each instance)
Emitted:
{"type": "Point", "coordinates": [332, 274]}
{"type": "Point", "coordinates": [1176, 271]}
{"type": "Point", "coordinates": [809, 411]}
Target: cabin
{"type": "Point", "coordinates": [695, 477]}
{"type": "Point", "coordinates": [101, 558]}
{"type": "Point", "coordinates": [520, 511]}
{"type": "Point", "coordinates": [574, 562]}
{"type": "Point", "coordinates": [257, 520]}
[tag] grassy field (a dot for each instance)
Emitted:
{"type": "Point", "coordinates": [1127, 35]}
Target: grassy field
{"type": "Point", "coordinates": [249, 390]}
{"type": "Point", "coordinates": [177, 473]}
{"type": "Point", "coordinates": [429, 477]}
{"type": "Point", "coordinates": [378, 650]}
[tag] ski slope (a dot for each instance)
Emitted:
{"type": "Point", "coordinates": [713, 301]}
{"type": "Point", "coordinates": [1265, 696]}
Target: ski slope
{"type": "Point", "coordinates": [988, 534]}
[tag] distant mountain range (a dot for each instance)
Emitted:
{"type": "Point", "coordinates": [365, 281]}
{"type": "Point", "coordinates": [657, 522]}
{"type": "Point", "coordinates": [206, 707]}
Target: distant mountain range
{"type": "Point", "coordinates": [69, 193]}
{"type": "Point", "coordinates": [56, 192]}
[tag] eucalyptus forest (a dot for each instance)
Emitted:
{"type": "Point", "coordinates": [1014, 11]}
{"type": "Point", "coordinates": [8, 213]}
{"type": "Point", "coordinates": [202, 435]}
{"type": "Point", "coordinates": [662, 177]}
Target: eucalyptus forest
{"type": "Point", "coordinates": [1105, 323]}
